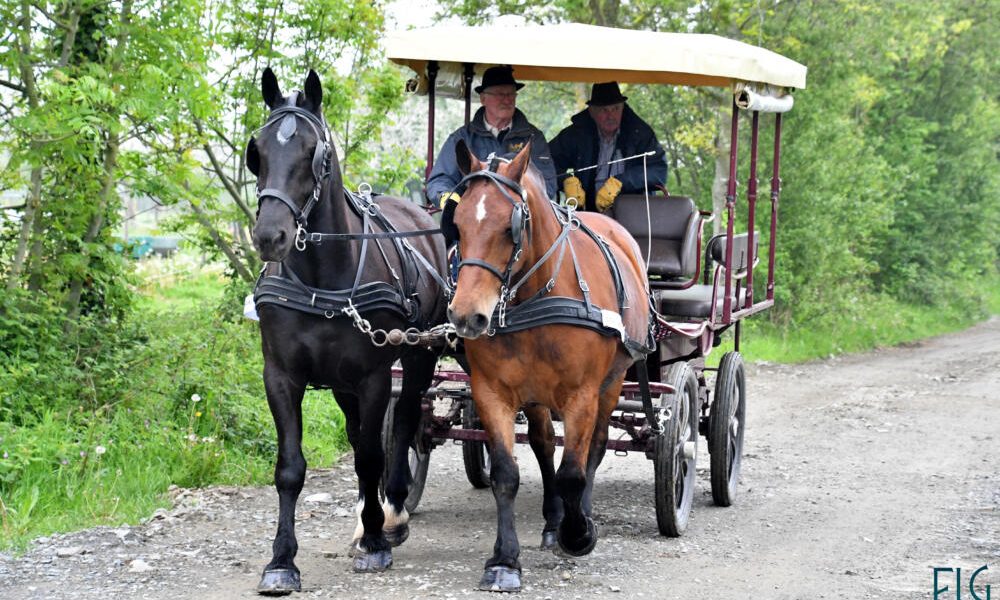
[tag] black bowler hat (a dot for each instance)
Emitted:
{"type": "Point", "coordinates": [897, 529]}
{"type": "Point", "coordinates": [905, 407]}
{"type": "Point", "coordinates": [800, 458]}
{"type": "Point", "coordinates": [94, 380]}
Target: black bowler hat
{"type": "Point", "coordinates": [605, 94]}
{"type": "Point", "coordinates": [498, 76]}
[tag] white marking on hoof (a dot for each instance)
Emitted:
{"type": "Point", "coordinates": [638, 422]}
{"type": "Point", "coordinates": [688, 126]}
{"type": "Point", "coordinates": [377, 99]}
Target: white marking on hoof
{"type": "Point", "coordinates": [392, 518]}
{"type": "Point", "coordinates": [481, 208]}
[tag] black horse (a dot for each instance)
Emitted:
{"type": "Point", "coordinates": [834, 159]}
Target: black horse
{"type": "Point", "coordinates": [332, 269]}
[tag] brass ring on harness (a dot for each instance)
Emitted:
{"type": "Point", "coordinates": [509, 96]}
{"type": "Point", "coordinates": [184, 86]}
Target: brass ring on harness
{"type": "Point", "coordinates": [329, 314]}
{"type": "Point", "coordinates": [364, 189]}
{"type": "Point", "coordinates": [412, 336]}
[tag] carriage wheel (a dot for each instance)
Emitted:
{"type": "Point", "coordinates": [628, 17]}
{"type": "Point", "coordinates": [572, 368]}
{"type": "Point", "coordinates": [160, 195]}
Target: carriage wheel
{"type": "Point", "coordinates": [419, 460]}
{"type": "Point", "coordinates": [475, 455]}
{"type": "Point", "coordinates": [726, 423]}
{"type": "Point", "coordinates": [676, 450]}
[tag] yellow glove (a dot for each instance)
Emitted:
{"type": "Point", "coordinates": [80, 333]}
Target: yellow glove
{"type": "Point", "coordinates": [446, 196]}
{"type": "Point", "coordinates": [607, 194]}
{"type": "Point", "coordinates": [574, 189]}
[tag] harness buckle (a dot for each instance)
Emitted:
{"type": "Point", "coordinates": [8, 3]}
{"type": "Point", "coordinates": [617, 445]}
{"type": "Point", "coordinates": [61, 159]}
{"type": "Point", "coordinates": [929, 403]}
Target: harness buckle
{"type": "Point", "coordinates": [583, 286]}
{"type": "Point", "coordinates": [300, 238]}
{"type": "Point", "coordinates": [316, 238]}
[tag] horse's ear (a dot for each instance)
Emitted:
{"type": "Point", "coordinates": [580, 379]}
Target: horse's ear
{"type": "Point", "coordinates": [253, 156]}
{"type": "Point", "coordinates": [467, 161]}
{"type": "Point", "coordinates": [517, 166]}
{"type": "Point", "coordinates": [269, 89]}
{"type": "Point", "coordinates": [314, 90]}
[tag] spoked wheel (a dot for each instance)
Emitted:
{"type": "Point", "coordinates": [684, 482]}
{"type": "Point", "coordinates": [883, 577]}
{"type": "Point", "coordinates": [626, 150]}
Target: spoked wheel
{"type": "Point", "coordinates": [475, 455]}
{"type": "Point", "coordinates": [676, 450]}
{"type": "Point", "coordinates": [419, 460]}
{"type": "Point", "coordinates": [726, 422]}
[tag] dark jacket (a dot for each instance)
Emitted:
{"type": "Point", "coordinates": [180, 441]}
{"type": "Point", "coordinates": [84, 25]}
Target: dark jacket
{"type": "Point", "coordinates": [445, 174]}
{"type": "Point", "coordinates": [578, 145]}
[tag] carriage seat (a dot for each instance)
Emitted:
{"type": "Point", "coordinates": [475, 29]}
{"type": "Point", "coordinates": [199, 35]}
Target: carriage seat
{"type": "Point", "coordinates": [674, 221]}
{"type": "Point", "coordinates": [696, 301]}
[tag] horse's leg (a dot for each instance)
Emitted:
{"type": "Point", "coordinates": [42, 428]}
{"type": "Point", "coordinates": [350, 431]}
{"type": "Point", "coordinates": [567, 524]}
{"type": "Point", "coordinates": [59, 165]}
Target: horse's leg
{"type": "Point", "coordinates": [541, 436]}
{"type": "Point", "coordinates": [284, 397]}
{"type": "Point", "coordinates": [503, 570]}
{"type": "Point", "coordinates": [599, 441]}
{"type": "Point", "coordinates": [350, 406]}
{"type": "Point", "coordinates": [418, 371]}
{"type": "Point", "coordinates": [577, 532]}
{"type": "Point", "coordinates": [372, 552]}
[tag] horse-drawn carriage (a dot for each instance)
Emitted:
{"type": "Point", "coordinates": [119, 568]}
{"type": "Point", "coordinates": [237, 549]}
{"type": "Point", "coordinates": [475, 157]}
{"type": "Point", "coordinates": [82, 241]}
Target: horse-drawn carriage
{"type": "Point", "coordinates": [676, 294]}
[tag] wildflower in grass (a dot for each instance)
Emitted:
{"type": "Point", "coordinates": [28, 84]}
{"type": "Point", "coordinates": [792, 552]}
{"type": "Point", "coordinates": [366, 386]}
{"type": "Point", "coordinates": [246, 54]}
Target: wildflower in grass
{"type": "Point", "coordinates": [83, 454]}
{"type": "Point", "coordinates": [99, 450]}
{"type": "Point", "coordinates": [195, 398]}
{"type": "Point", "coordinates": [5, 455]}
{"type": "Point", "coordinates": [197, 413]}
{"type": "Point", "coordinates": [192, 437]}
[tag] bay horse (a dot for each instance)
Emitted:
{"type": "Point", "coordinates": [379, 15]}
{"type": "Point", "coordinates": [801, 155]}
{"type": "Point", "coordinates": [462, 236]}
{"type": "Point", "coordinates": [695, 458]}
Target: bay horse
{"type": "Point", "coordinates": [554, 308]}
{"type": "Point", "coordinates": [328, 271]}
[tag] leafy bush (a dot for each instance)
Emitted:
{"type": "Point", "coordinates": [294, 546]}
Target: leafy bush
{"type": "Point", "coordinates": [95, 430]}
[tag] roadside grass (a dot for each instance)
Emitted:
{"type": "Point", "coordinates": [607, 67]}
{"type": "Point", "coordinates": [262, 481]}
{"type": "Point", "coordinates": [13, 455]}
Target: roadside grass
{"type": "Point", "coordinates": [883, 322]}
{"type": "Point", "coordinates": [184, 405]}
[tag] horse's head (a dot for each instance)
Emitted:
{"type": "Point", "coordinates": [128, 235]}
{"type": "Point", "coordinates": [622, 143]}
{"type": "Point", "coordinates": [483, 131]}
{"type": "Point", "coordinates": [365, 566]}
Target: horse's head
{"type": "Point", "coordinates": [291, 159]}
{"type": "Point", "coordinates": [493, 221]}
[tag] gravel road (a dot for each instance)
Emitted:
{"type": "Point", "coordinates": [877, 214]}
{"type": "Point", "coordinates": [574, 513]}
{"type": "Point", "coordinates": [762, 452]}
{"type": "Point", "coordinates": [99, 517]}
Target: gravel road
{"type": "Point", "coordinates": [861, 475]}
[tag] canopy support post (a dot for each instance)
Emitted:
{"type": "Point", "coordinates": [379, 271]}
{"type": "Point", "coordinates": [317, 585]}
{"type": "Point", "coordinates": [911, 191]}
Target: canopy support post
{"type": "Point", "coordinates": [775, 191]}
{"type": "Point", "coordinates": [727, 305]}
{"type": "Point", "coordinates": [752, 208]}
{"type": "Point", "coordinates": [432, 71]}
{"type": "Point", "coordinates": [469, 73]}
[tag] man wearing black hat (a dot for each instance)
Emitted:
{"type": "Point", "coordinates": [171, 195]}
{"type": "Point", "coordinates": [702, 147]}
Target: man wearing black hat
{"type": "Point", "coordinates": [606, 131]}
{"type": "Point", "coordinates": [498, 128]}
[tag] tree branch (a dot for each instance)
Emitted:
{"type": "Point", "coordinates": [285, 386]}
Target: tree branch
{"type": "Point", "coordinates": [14, 86]}
{"type": "Point", "coordinates": [220, 171]}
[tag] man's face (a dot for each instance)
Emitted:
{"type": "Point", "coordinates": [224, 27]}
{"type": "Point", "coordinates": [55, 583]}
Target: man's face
{"type": "Point", "coordinates": [499, 102]}
{"type": "Point", "coordinates": [608, 118]}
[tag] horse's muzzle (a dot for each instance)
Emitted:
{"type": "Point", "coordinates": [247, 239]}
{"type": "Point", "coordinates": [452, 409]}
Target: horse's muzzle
{"type": "Point", "coordinates": [273, 244]}
{"type": "Point", "coordinates": [469, 326]}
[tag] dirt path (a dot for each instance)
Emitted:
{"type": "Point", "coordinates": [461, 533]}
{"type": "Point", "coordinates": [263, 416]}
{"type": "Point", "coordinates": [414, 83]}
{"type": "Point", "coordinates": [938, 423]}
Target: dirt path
{"type": "Point", "coordinates": [861, 475]}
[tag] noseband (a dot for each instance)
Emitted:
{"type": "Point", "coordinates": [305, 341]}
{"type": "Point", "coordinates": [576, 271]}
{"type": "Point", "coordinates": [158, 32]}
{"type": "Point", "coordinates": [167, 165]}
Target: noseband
{"type": "Point", "coordinates": [320, 161]}
{"type": "Point", "coordinates": [520, 219]}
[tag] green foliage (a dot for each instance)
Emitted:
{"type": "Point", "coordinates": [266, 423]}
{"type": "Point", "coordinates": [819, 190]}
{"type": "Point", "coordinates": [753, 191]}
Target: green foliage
{"type": "Point", "coordinates": [95, 433]}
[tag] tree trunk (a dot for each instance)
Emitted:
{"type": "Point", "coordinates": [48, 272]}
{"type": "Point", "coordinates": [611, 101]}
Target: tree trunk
{"type": "Point", "coordinates": [34, 199]}
{"type": "Point", "coordinates": [27, 221]}
{"type": "Point", "coordinates": [96, 224]}
{"type": "Point", "coordinates": [234, 259]}
{"type": "Point", "coordinates": [110, 166]}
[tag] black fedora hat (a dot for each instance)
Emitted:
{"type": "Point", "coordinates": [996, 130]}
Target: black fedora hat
{"type": "Point", "coordinates": [604, 94]}
{"type": "Point", "coordinates": [498, 76]}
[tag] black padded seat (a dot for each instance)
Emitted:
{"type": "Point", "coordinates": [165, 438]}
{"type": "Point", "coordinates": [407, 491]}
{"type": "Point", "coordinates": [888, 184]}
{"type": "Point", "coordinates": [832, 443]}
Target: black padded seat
{"type": "Point", "coordinates": [695, 301]}
{"type": "Point", "coordinates": [674, 221]}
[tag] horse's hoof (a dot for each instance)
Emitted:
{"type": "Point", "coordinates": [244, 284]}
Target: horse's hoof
{"type": "Point", "coordinates": [371, 562]}
{"type": "Point", "coordinates": [398, 534]}
{"type": "Point", "coordinates": [279, 582]}
{"type": "Point", "coordinates": [549, 540]}
{"type": "Point", "coordinates": [582, 545]}
{"type": "Point", "coordinates": [500, 579]}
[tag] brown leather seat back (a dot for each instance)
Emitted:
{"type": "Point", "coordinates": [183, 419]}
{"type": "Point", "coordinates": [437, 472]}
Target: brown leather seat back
{"type": "Point", "coordinates": [672, 221]}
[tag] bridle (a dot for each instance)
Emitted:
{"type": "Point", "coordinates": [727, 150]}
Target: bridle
{"type": "Point", "coordinates": [320, 162]}
{"type": "Point", "coordinates": [520, 219]}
